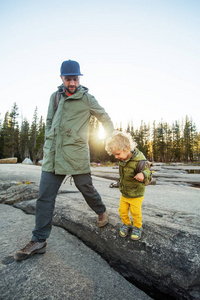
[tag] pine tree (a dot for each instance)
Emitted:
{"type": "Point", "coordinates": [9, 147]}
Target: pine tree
{"type": "Point", "coordinates": [188, 155]}
{"type": "Point", "coordinates": [142, 138]}
{"type": "Point", "coordinates": [158, 142]}
{"type": "Point", "coordinates": [11, 141]}
{"type": "Point", "coordinates": [168, 143]}
{"type": "Point", "coordinates": [128, 128]}
{"type": "Point", "coordinates": [146, 129]}
{"type": "Point", "coordinates": [1, 140]}
{"type": "Point", "coordinates": [5, 136]}
{"type": "Point", "coordinates": [33, 136]}
{"type": "Point", "coordinates": [154, 143]}
{"type": "Point", "coordinates": [193, 139]}
{"type": "Point", "coordinates": [198, 147]}
{"type": "Point", "coordinates": [40, 140]}
{"type": "Point", "coordinates": [176, 142]}
{"type": "Point", "coordinates": [24, 140]}
{"type": "Point", "coordinates": [139, 137]}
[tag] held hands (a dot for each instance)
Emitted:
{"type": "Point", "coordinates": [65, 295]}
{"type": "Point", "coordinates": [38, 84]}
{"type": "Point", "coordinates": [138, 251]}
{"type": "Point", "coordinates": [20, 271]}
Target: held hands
{"type": "Point", "coordinates": [139, 177]}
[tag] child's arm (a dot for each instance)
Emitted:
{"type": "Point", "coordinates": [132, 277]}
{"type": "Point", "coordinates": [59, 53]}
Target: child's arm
{"type": "Point", "coordinates": [139, 177]}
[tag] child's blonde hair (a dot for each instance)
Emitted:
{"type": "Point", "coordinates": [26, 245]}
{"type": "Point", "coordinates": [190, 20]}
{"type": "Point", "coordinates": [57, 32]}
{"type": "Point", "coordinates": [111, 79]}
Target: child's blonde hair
{"type": "Point", "coordinates": [120, 141]}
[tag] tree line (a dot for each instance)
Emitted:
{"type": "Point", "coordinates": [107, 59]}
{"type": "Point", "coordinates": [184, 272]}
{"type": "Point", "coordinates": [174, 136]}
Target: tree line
{"type": "Point", "coordinates": [25, 141]}
{"type": "Point", "coordinates": [159, 142]}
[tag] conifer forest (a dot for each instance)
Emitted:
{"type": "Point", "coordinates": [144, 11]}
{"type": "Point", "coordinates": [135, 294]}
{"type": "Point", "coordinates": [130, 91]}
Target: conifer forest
{"type": "Point", "coordinates": [160, 142]}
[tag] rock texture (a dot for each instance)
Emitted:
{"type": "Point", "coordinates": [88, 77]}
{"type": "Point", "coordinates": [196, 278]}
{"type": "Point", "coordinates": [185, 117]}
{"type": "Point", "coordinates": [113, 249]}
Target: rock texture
{"type": "Point", "coordinates": [68, 271]}
{"type": "Point", "coordinates": [165, 263]}
{"type": "Point", "coordinates": [12, 192]}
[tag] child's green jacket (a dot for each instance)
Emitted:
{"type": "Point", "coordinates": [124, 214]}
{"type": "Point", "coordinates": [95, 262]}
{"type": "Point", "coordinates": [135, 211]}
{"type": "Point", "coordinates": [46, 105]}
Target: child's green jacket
{"type": "Point", "coordinates": [128, 185]}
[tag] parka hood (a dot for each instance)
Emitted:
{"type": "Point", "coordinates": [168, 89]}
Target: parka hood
{"type": "Point", "coordinates": [136, 156]}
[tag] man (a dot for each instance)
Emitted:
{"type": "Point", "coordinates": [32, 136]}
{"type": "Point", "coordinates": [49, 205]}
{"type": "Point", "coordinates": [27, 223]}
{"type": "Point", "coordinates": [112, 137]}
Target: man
{"type": "Point", "coordinates": [66, 152]}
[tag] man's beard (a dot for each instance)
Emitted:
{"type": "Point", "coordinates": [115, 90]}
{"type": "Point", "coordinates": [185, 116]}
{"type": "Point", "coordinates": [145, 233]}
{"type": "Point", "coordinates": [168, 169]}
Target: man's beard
{"type": "Point", "coordinates": [68, 90]}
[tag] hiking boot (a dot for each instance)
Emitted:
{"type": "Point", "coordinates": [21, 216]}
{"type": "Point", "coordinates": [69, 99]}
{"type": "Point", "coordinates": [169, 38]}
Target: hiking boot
{"type": "Point", "coordinates": [136, 233]}
{"type": "Point", "coordinates": [124, 230]}
{"type": "Point", "coordinates": [30, 249]}
{"type": "Point", "coordinates": [102, 219]}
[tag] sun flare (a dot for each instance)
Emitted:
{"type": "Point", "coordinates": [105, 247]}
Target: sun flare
{"type": "Point", "coordinates": [101, 132]}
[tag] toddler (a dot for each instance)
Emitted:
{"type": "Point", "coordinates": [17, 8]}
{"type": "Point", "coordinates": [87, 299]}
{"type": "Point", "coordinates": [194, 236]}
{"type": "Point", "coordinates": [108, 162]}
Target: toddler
{"type": "Point", "coordinates": [131, 185]}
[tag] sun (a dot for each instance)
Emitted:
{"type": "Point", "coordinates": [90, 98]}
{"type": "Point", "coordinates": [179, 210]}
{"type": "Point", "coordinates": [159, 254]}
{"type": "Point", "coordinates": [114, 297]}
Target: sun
{"type": "Point", "coordinates": [101, 132]}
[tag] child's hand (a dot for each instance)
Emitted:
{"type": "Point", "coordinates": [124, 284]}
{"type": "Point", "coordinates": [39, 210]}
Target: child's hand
{"type": "Point", "coordinates": [139, 177]}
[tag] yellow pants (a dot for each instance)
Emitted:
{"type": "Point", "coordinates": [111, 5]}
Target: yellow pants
{"type": "Point", "coordinates": [135, 207]}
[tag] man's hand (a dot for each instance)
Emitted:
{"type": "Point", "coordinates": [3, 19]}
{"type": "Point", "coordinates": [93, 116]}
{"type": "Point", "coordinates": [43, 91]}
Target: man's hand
{"type": "Point", "coordinates": [139, 177]}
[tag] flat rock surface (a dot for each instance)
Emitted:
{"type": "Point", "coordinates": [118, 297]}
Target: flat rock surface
{"type": "Point", "coordinates": [68, 270]}
{"type": "Point", "coordinates": [171, 195]}
{"type": "Point", "coordinates": [167, 254]}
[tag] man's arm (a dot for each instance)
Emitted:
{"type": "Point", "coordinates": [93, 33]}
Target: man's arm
{"type": "Point", "coordinates": [50, 114]}
{"type": "Point", "coordinates": [99, 112]}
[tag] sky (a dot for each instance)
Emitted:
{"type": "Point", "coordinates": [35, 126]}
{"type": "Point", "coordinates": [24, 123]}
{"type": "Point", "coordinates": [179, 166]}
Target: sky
{"type": "Point", "coordinates": [140, 58]}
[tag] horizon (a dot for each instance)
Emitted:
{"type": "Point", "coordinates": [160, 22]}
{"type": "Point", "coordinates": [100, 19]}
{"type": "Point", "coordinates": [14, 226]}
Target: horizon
{"type": "Point", "coordinates": [140, 59]}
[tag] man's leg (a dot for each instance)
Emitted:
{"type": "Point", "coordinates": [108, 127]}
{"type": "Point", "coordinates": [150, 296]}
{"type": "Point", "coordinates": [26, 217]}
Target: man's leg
{"type": "Point", "coordinates": [49, 186]}
{"type": "Point", "coordinates": [84, 184]}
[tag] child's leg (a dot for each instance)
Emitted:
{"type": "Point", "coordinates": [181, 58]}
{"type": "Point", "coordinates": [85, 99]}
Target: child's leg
{"type": "Point", "coordinates": [124, 211]}
{"type": "Point", "coordinates": [136, 211]}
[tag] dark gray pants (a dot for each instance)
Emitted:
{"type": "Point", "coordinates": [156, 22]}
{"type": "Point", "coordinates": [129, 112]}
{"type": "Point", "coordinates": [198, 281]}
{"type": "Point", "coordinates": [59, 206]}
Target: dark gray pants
{"type": "Point", "coordinates": [49, 186]}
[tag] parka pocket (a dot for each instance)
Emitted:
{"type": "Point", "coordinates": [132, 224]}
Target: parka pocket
{"type": "Point", "coordinates": [72, 138]}
{"type": "Point", "coordinates": [77, 156]}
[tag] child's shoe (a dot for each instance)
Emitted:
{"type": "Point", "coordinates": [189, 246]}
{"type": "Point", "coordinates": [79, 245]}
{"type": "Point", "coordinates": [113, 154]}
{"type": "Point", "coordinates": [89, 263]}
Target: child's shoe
{"type": "Point", "coordinates": [124, 230]}
{"type": "Point", "coordinates": [136, 233]}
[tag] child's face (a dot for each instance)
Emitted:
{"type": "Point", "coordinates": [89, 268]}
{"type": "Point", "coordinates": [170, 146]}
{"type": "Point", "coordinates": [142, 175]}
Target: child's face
{"type": "Point", "coordinates": [122, 154]}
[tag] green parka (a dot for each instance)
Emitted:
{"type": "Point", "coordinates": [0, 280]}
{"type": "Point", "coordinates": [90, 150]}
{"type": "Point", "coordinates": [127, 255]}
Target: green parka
{"type": "Point", "coordinates": [66, 150]}
{"type": "Point", "coordinates": [128, 185]}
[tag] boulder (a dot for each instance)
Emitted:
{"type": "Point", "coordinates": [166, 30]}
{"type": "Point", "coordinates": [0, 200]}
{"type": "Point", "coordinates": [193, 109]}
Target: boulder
{"type": "Point", "coordinates": [17, 192]}
{"type": "Point", "coordinates": [27, 161]}
{"type": "Point", "coordinates": [40, 162]}
{"type": "Point", "coordinates": [10, 160]}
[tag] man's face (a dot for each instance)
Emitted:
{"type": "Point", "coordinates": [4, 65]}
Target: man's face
{"type": "Point", "coordinates": [71, 83]}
